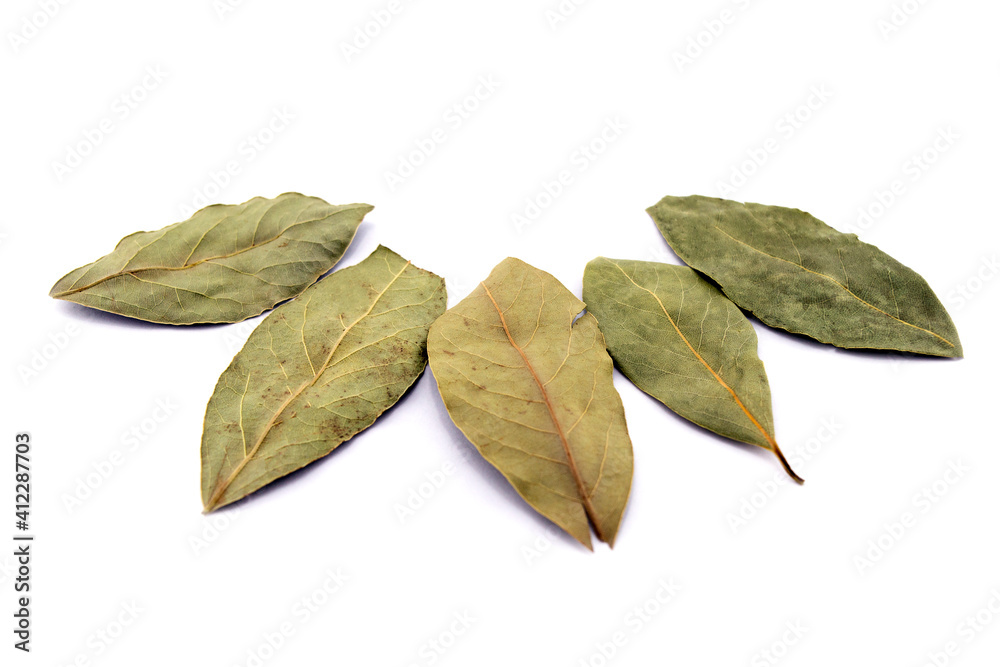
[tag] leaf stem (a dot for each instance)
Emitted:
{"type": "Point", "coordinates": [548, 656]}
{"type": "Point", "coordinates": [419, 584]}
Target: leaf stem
{"type": "Point", "coordinates": [784, 463]}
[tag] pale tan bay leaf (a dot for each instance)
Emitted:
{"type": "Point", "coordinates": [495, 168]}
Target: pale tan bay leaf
{"type": "Point", "coordinates": [532, 389]}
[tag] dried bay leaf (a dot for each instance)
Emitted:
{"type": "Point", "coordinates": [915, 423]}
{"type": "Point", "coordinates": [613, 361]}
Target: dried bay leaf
{"type": "Point", "coordinates": [223, 264]}
{"type": "Point", "coordinates": [317, 371]}
{"type": "Point", "coordinates": [680, 340]}
{"type": "Point", "coordinates": [796, 273]}
{"type": "Point", "coordinates": [532, 390]}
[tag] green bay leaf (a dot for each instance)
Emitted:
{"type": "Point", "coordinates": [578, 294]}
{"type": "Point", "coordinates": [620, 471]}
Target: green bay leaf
{"type": "Point", "coordinates": [224, 264]}
{"type": "Point", "coordinates": [796, 273]}
{"type": "Point", "coordinates": [532, 390]}
{"type": "Point", "coordinates": [317, 371]}
{"type": "Point", "coordinates": [680, 340]}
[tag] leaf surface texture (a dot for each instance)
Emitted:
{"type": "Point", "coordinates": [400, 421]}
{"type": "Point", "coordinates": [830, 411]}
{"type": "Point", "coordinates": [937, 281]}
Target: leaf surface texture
{"type": "Point", "coordinates": [317, 371]}
{"type": "Point", "coordinates": [224, 264]}
{"type": "Point", "coordinates": [532, 389]}
{"type": "Point", "coordinates": [681, 341]}
{"type": "Point", "coordinates": [796, 273]}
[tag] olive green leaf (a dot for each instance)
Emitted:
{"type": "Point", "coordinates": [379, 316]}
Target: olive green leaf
{"type": "Point", "coordinates": [681, 341]}
{"type": "Point", "coordinates": [316, 371]}
{"type": "Point", "coordinates": [223, 264]}
{"type": "Point", "coordinates": [796, 273]}
{"type": "Point", "coordinates": [532, 390]}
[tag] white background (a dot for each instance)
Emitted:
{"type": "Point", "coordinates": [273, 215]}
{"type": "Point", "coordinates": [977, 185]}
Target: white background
{"type": "Point", "coordinates": [880, 428]}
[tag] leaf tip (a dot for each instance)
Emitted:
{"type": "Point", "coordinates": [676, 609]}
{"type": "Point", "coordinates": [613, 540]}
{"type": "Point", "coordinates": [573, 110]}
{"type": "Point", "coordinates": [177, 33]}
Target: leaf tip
{"type": "Point", "coordinates": [57, 292]}
{"type": "Point", "coordinates": [212, 502]}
